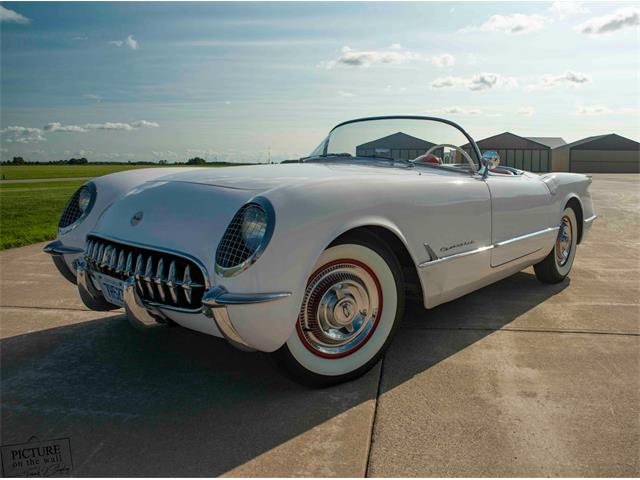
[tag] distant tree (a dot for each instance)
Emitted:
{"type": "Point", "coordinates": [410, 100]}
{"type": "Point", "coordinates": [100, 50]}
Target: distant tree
{"type": "Point", "coordinates": [78, 161]}
{"type": "Point", "coordinates": [162, 162]}
{"type": "Point", "coordinates": [196, 161]}
{"type": "Point", "coordinates": [18, 161]}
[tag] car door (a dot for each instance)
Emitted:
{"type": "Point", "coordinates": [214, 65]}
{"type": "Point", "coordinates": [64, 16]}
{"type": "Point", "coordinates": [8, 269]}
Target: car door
{"type": "Point", "coordinates": [521, 216]}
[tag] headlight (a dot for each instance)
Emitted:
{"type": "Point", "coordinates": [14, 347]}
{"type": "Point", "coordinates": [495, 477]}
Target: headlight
{"type": "Point", "coordinates": [254, 226]}
{"type": "Point", "coordinates": [84, 198]}
{"type": "Point", "coordinates": [78, 207]}
{"type": "Point", "coordinates": [246, 237]}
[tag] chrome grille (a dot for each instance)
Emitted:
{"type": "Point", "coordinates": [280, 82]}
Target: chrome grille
{"type": "Point", "coordinates": [232, 249]}
{"type": "Point", "coordinates": [162, 278]}
{"type": "Point", "coordinates": [71, 212]}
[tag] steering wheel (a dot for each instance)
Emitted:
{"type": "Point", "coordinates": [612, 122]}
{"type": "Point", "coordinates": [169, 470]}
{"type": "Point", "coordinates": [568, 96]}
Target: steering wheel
{"type": "Point", "coordinates": [464, 154]}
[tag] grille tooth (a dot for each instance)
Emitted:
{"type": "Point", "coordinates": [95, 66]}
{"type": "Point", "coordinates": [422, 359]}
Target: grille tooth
{"type": "Point", "coordinates": [88, 248]}
{"type": "Point", "coordinates": [129, 265]}
{"type": "Point", "coordinates": [148, 276]}
{"type": "Point", "coordinates": [113, 258]}
{"type": "Point", "coordinates": [171, 282]}
{"type": "Point", "coordinates": [120, 265]}
{"type": "Point", "coordinates": [96, 250]}
{"type": "Point", "coordinates": [104, 259]}
{"type": "Point", "coordinates": [139, 272]}
{"type": "Point", "coordinates": [186, 284]}
{"type": "Point", "coordinates": [158, 280]}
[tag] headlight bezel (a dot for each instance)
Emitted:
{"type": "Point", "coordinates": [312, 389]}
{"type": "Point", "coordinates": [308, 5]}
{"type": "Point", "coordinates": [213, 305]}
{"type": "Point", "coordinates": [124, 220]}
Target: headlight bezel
{"type": "Point", "coordinates": [233, 232]}
{"type": "Point", "coordinates": [91, 188]}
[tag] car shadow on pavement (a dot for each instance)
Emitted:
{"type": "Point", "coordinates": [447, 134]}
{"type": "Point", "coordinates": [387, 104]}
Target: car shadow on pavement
{"type": "Point", "coordinates": [171, 402]}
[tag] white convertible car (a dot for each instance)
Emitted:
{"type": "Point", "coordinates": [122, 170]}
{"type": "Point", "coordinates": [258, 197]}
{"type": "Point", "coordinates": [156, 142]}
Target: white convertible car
{"type": "Point", "coordinates": [310, 260]}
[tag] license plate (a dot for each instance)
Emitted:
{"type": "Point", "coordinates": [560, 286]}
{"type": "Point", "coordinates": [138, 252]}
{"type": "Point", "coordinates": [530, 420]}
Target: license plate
{"type": "Point", "coordinates": [112, 289]}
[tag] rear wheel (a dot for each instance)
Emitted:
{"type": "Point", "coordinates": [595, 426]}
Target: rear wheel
{"type": "Point", "coordinates": [557, 265]}
{"type": "Point", "coordinates": [353, 304]}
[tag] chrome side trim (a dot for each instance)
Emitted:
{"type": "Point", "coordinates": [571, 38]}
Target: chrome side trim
{"type": "Point", "coordinates": [57, 248]}
{"type": "Point", "coordinates": [429, 263]}
{"type": "Point", "coordinates": [527, 236]}
{"type": "Point", "coordinates": [590, 219]}
{"type": "Point", "coordinates": [218, 296]}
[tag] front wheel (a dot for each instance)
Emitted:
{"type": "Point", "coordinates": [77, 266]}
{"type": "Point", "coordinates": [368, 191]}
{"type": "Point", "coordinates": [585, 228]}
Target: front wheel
{"type": "Point", "coordinates": [352, 306]}
{"type": "Point", "coordinates": [557, 265]}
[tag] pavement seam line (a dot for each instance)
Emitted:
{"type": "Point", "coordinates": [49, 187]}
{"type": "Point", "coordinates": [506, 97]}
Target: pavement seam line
{"type": "Point", "coordinates": [529, 330]}
{"type": "Point", "coordinates": [373, 420]}
{"type": "Point", "coordinates": [47, 308]}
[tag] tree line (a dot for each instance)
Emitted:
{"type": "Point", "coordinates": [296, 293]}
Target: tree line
{"type": "Point", "coordinates": [84, 161]}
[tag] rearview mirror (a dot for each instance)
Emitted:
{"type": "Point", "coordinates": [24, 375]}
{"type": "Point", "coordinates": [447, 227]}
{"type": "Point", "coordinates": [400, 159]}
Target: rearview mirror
{"type": "Point", "coordinates": [491, 159]}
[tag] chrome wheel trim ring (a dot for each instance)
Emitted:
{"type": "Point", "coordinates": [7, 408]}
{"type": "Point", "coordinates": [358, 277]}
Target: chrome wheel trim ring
{"type": "Point", "coordinates": [564, 242]}
{"type": "Point", "coordinates": [341, 308]}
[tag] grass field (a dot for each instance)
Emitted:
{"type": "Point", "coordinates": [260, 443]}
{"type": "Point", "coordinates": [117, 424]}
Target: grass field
{"type": "Point", "coordinates": [24, 172]}
{"type": "Point", "coordinates": [29, 212]}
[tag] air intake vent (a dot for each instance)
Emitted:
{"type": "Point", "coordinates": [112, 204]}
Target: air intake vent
{"type": "Point", "coordinates": [162, 278]}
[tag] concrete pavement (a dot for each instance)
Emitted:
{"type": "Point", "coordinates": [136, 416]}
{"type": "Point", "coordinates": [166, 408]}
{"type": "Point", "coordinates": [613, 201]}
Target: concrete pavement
{"type": "Point", "coordinates": [520, 379]}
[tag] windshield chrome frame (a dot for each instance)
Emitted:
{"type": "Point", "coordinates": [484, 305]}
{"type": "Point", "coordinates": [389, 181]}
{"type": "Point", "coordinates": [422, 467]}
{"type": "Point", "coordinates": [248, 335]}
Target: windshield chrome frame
{"type": "Point", "coordinates": [472, 142]}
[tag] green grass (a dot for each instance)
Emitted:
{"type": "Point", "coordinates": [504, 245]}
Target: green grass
{"type": "Point", "coordinates": [29, 212]}
{"type": "Point", "coordinates": [26, 172]}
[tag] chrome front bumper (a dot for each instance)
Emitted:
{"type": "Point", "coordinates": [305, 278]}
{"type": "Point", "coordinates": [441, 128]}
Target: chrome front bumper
{"type": "Point", "coordinates": [143, 314]}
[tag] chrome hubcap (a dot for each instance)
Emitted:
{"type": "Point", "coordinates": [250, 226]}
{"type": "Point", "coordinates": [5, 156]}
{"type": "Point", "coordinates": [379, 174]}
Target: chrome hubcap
{"type": "Point", "coordinates": [563, 242]}
{"type": "Point", "coordinates": [340, 310]}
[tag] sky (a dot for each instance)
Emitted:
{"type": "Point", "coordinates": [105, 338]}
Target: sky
{"type": "Point", "coordinates": [249, 82]}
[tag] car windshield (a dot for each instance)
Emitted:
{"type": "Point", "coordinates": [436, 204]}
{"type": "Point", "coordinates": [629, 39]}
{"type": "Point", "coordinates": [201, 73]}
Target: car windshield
{"type": "Point", "coordinates": [427, 142]}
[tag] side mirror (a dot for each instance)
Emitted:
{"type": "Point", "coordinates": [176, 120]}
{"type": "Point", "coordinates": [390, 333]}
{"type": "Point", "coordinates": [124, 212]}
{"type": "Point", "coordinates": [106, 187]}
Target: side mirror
{"type": "Point", "coordinates": [491, 159]}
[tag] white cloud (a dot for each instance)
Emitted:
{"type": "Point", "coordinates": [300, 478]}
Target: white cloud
{"type": "Point", "coordinates": [511, 24]}
{"type": "Point", "coordinates": [395, 54]}
{"type": "Point", "coordinates": [455, 111]}
{"type": "Point", "coordinates": [17, 134]}
{"type": "Point", "coordinates": [444, 60]}
{"type": "Point", "coordinates": [604, 110]}
{"type": "Point", "coordinates": [621, 19]}
{"type": "Point", "coordinates": [481, 81]}
{"type": "Point", "coordinates": [130, 42]}
{"type": "Point", "coordinates": [567, 79]}
{"type": "Point", "coordinates": [526, 111]}
{"type": "Point", "coordinates": [565, 9]}
{"type": "Point", "coordinates": [92, 96]}
{"type": "Point", "coordinates": [343, 93]}
{"type": "Point", "coordinates": [58, 127]}
{"type": "Point", "coordinates": [10, 16]}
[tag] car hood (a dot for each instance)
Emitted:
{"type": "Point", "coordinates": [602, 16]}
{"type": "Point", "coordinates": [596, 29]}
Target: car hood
{"type": "Point", "coordinates": [267, 177]}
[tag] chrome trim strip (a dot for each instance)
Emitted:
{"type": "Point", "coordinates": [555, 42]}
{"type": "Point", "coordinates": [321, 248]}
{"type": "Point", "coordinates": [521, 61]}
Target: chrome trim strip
{"type": "Point", "coordinates": [590, 219]}
{"type": "Point", "coordinates": [218, 296]}
{"type": "Point", "coordinates": [57, 248]}
{"type": "Point", "coordinates": [527, 236]}
{"type": "Point", "coordinates": [429, 263]}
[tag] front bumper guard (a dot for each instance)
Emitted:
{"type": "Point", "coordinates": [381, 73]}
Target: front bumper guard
{"type": "Point", "coordinates": [215, 302]}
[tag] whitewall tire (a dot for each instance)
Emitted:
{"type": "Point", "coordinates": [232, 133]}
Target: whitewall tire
{"type": "Point", "coordinates": [353, 303]}
{"type": "Point", "coordinates": [557, 265]}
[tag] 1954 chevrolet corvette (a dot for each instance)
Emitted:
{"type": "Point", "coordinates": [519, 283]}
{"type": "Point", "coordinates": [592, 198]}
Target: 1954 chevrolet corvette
{"type": "Point", "coordinates": [310, 261]}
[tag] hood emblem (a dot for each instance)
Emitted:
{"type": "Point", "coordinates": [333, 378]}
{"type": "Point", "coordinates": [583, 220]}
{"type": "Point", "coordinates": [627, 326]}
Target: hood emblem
{"type": "Point", "coordinates": [136, 219]}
